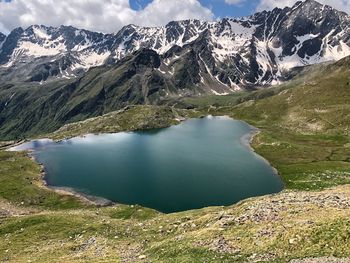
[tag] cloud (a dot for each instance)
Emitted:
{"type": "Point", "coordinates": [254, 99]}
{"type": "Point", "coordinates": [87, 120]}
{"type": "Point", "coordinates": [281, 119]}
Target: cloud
{"type": "Point", "coordinates": [97, 15]}
{"type": "Point", "coordinates": [341, 5]}
{"type": "Point", "coordinates": [234, 2]}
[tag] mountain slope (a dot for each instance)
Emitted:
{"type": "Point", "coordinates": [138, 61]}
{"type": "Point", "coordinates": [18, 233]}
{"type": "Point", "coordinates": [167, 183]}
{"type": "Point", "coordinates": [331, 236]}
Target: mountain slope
{"type": "Point", "coordinates": [48, 76]}
{"type": "Point", "coordinates": [31, 109]}
{"type": "Point", "coordinates": [315, 101]}
{"type": "Point", "coordinates": [232, 53]}
{"type": "Point", "coordinates": [304, 126]}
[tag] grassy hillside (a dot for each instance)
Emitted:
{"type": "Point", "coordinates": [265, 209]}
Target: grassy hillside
{"type": "Point", "coordinates": [130, 118]}
{"type": "Point", "coordinates": [21, 184]}
{"type": "Point", "coordinates": [318, 105]}
{"type": "Point", "coordinates": [305, 126]}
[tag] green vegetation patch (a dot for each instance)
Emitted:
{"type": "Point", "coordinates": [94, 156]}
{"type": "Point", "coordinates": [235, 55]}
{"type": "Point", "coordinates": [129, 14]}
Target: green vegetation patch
{"type": "Point", "coordinates": [21, 184]}
{"type": "Point", "coordinates": [131, 118]}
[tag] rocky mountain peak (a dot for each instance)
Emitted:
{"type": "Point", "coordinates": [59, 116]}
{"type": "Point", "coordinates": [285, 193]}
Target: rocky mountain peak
{"type": "Point", "coordinates": [232, 53]}
{"type": "Point", "coordinates": [147, 57]}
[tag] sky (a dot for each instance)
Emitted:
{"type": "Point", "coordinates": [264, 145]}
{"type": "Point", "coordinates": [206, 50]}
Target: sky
{"type": "Point", "coordinates": [111, 15]}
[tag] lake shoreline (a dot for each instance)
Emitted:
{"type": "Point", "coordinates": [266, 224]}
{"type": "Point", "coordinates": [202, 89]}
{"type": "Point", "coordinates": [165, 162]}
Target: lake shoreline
{"type": "Point", "coordinates": [246, 140]}
{"type": "Point", "coordinates": [67, 191]}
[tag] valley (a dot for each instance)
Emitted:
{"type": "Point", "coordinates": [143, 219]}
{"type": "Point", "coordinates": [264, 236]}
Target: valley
{"type": "Point", "coordinates": [285, 72]}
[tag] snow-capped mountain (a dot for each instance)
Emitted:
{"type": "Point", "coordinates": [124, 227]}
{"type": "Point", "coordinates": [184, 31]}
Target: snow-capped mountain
{"type": "Point", "coordinates": [89, 48]}
{"type": "Point", "coordinates": [224, 56]}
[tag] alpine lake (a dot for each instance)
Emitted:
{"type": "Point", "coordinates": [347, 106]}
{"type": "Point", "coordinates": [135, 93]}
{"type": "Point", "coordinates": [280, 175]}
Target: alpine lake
{"type": "Point", "coordinates": [198, 163]}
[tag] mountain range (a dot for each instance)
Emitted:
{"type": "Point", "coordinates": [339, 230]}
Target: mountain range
{"type": "Point", "coordinates": [52, 76]}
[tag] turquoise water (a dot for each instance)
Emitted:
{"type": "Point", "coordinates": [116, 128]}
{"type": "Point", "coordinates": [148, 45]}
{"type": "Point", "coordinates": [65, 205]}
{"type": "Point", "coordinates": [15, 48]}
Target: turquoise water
{"type": "Point", "coordinates": [198, 163]}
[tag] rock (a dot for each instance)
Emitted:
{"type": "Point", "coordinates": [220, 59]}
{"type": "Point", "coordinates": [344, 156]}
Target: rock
{"type": "Point", "coordinates": [292, 241]}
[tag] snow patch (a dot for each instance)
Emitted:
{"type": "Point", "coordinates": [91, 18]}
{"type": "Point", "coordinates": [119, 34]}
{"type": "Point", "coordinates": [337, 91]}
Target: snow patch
{"type": "Point", "coordinates": [8, 101]}
{"type": "Point", "coordinates": [218, 93]}
{"type": "Point", "coordinates": [90, 59]}
{"type": "Point", "coordinates": [41, 33]}
{"type": "Point", "coordinates": [231, 40]}
{"type": "Point", "coordinates": [30, 49]}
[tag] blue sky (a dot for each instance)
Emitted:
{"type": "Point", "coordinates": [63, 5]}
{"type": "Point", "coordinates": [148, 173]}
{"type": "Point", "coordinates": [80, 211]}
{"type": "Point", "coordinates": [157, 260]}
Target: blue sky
{"type": "Point", "coordinates": [219, 7]}
{"type": "Point", "coordinates": [222, 9]}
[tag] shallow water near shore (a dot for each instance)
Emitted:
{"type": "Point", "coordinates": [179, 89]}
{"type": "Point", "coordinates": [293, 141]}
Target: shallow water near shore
{"type": "Point", "coordinates": [198, 163]}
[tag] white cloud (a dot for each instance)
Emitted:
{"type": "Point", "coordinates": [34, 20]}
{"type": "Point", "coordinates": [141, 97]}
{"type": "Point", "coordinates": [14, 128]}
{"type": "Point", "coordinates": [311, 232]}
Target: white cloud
{"type": "Point", "coordinates": [111, 15]}
{"type": "Point", "coordinates": [234, 2]}
{"type": "Point", "coordinates": [97, 15]}
{"type": "Point", "coordinates": [341, 5]}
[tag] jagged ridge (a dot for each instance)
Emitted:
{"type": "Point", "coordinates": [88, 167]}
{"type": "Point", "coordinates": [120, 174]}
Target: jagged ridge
{"type": "Point", "coordinates": [230, 54]}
